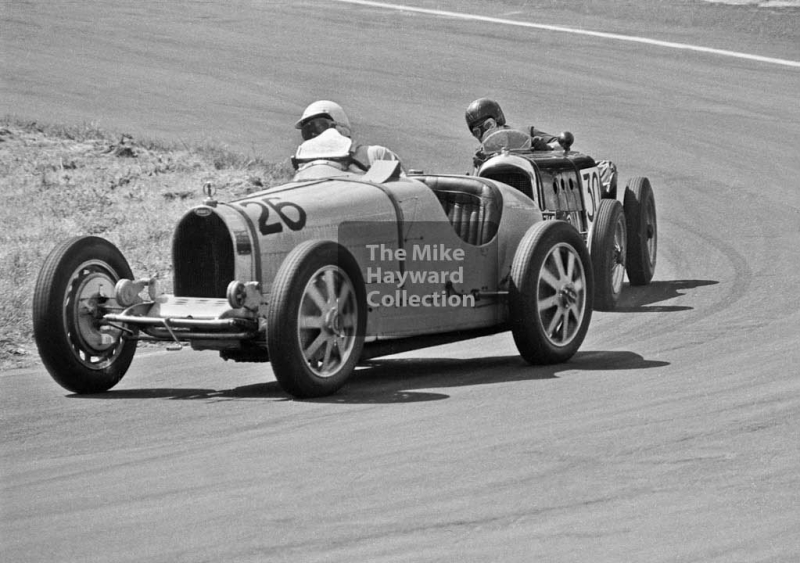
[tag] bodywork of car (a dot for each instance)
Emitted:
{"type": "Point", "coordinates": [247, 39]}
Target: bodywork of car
{"type": "Point", "coordinates": [250, 238]}
{"type": "Point", "coordinates": [324, 271]}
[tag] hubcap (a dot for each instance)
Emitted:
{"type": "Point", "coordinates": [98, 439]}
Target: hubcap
{"type": "Point", "coordinates": [561, 294]}
{"type": "Point", "coordinates": [91, 286]}
{"type": "Point", "coordinates": [333, 322]}
{"type": "Point", "coordinates": [568, 296]}
{"type": "Point", "coordinates": [650, 231]}
{"type": "Point", "coordinates": [618, 258]}
{"type": "Point", "coordinates": [327, 321]}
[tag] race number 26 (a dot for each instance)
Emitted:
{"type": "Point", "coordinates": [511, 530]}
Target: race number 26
{"type": "Point", "coordinates": [295, 219]}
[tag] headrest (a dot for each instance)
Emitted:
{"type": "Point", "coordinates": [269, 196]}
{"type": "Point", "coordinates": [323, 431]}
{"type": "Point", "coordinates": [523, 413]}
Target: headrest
{"type": "Point", "coordinates": [382, 171]}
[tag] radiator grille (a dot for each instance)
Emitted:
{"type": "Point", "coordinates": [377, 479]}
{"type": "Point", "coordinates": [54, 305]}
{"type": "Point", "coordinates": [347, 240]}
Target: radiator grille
{"type": "Point", "coordinates": [202, 256]}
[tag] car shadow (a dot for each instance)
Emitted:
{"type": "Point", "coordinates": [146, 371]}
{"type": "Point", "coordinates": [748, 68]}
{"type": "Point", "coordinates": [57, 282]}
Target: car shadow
{"type": "Point", "coordinates": [407, 380]}
{"type": "Point", "coordinates": [385, 381]}
{"type": "Point", "coordinates": [641, 298]}
{"type": "Point", "coordinates": [268, 390]}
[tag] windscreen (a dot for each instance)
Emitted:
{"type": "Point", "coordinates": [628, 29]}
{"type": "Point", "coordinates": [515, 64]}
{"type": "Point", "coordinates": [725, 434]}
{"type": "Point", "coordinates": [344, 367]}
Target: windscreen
{"type": "Point", "coordinates": [510, 139]}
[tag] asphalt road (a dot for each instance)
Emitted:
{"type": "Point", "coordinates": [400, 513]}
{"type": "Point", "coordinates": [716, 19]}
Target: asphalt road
{"type": "Point", "coordinates": [671, 436]}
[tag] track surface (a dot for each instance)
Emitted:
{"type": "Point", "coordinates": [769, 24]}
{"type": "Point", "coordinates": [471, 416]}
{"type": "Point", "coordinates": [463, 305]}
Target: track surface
{"type": "Point", "coordinates": [672, 435]}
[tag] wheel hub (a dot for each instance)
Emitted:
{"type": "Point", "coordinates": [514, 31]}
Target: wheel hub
{"type": "Point", "coordinates": [91, 290]}
{"type": "Point", "coordinates": [568, 295]}
{"type": "Point", "coordinates": [333, 321]}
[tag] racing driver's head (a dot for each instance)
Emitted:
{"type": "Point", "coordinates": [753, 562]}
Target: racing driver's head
{"type": "Point", "coordinates": [322, 115]}
{"type": "Point", "coordinates": [484, 114]}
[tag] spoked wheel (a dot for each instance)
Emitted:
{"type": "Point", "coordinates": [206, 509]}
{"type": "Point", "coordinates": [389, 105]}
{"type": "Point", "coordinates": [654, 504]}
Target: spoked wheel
{"type": "Point", "coordinates": [550, 296]}
{"type": "Point", "coordinates": [609, 249]}
{"type": "Point", "coordinates": [316, 319]}
{"type": "Point", "coordinates": [74, 289]}
{"type": "Point", "coordinates": [640, 214]}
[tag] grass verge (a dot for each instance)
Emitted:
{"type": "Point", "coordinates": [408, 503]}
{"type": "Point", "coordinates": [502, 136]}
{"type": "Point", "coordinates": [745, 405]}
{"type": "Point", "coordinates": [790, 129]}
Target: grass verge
{"type": "Point", "coordinates": [61, 181]}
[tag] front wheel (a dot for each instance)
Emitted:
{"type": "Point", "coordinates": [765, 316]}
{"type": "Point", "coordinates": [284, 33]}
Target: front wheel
{"type": "Point", "coordinates": [640, 214]}
{"type": "Point", "coordinates": [316, 319]}
{"type": "Point", "coordinates": [74, 289]}
{"type": "Point", "coordinates": [550, 295]}
{"type": "Point", "coordinates": [609, 247]}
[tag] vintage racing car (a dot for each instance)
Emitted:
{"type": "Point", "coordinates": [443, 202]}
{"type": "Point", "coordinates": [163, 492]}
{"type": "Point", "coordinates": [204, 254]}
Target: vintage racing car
{"type": "Point", "coordinates": [334, 267]}
{"type": "Point", "coordinates": [619, 226]}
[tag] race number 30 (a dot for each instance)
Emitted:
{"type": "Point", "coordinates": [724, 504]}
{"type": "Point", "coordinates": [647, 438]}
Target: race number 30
{"type": "Point", "coordinates": [590, 181]}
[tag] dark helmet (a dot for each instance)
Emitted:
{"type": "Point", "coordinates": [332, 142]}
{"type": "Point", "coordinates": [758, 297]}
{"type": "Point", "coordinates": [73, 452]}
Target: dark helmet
{"type": "Point", "coordinates": [483, 108]}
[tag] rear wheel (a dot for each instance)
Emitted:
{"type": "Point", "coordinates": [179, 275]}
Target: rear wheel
{"type": "Point", "coordinates": [640, 214]}
{"type": "Point", "coordinates": [316, 319]}
{"type": "Point", "coordinates": [609, 247]}
{"type": "Point", "coordinates": [550, 295]}
{"type": "Point", "coordinates": [74, 289]}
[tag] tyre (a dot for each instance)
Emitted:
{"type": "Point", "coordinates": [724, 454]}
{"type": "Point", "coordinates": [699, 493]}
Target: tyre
{"type": "Point", "coordinates": [74, 288]}
{"type": "Point", "coordinates": [550, 295]}
{"type": "Point", "coordinates": [316, 319]}
{"type": "Point", "coordinates": [608, 253]}
{"type": "Point", "coordinates": [640, 214]}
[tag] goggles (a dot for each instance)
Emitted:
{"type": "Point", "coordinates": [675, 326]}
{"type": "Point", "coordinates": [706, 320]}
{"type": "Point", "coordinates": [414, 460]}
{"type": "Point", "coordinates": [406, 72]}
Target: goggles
{"type": "Point", "coordinates": [315, 126]}
{"type": "Point", "coordinates": [480, 128]}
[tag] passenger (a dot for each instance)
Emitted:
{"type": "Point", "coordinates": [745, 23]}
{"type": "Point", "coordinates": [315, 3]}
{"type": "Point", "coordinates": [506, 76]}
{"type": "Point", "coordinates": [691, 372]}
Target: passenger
{"type": "Point", "coordinates": [484, 115]}
{"type": "Point", "coordinates": [323, 115]}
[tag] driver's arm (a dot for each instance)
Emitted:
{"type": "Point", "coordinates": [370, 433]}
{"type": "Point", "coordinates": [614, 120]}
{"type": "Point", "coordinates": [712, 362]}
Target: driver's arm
{"type": "Point", "coordinates": [478, 158]}
{"type": "Point", "coordinates": [541, 141]}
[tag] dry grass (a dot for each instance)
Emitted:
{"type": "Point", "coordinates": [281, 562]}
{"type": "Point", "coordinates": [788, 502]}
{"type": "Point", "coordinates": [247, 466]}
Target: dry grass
{"type": "Point", "coordinates": [60, 181]}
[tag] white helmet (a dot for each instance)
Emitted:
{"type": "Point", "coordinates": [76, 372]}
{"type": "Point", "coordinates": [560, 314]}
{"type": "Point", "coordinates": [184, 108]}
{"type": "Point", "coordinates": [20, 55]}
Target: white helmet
{"type": "Point", "coordinates": [328, 109]}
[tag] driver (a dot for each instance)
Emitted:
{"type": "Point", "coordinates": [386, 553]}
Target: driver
{"type": "Point", "coordinates": [324, 114]}
{"type": "Point", "coordinates": [484, 115]}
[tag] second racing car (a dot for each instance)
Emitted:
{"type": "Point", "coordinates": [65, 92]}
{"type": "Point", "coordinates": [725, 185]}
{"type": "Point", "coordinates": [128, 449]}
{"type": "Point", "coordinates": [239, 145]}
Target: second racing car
{"type": "Point", "coordinates": [619, 226]}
